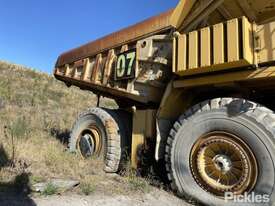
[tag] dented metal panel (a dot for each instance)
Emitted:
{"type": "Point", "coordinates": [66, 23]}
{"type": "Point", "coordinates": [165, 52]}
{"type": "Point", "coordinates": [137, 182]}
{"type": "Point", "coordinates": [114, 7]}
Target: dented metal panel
{"type": "Point", "coordinates": [108, 67]}
{"type": "Point", "coordinates": [89, 69]}
{"type": "Point", "coordinates": [79, 69]}
{"type": "Point", "coordinates": [96, 68]}
{"type": "Point", "coordinates": [69, 70]}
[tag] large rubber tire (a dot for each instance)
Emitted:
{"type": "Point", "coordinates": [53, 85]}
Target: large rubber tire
{"type": "Point", "coordinates": [114, 126]}
{"type": "Point", "coordinates": [252, 122]}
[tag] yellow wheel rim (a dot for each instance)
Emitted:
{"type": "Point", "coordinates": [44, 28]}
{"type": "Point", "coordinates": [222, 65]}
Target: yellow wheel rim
{"type": "Point", "coordinates": [89, 142]}
{"type": "Point", "coordinates": [222, 162]}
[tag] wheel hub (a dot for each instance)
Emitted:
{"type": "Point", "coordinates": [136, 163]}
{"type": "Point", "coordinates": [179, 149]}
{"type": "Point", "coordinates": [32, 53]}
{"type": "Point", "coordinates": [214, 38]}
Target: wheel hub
{"type": "Point", "coordinates": [222, 162]}
{"type": "Point", "coordinates": [86, 145]}
{"type": "Point", "coordinates": [90, 142]}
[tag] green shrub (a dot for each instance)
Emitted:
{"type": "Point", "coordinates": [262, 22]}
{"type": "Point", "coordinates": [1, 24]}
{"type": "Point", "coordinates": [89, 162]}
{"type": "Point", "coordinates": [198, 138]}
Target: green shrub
{"type": "Point", "coordinates": [50, 190]}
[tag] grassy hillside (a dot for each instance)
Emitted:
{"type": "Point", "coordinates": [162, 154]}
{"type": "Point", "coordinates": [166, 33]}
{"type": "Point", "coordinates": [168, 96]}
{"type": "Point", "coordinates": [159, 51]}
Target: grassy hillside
{"type": "Point", "coordinates": [36, 113]}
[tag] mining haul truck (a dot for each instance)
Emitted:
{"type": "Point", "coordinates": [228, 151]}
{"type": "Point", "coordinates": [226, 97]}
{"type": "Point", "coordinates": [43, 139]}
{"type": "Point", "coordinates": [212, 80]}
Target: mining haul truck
{"type": "Point", "coordinates": [195, 89]}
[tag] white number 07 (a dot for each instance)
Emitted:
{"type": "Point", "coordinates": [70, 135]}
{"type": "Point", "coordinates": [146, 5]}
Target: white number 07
{"type": "Point", "coordinates": [124, 67]}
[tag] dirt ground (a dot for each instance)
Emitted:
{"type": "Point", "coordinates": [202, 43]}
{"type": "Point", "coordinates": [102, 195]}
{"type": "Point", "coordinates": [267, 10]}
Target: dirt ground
{"type": "Point", "coordinates": [154, 198]}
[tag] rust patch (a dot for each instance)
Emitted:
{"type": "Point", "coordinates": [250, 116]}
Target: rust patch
{"type": "Point", "coordinates": [124, 36]}
{"type": "Point", "coordinates": [110, 128]}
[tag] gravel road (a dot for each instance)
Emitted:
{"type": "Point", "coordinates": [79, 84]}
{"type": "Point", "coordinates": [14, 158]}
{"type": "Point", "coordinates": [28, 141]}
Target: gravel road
{"type": "Point", "coordinates": [154, 198]}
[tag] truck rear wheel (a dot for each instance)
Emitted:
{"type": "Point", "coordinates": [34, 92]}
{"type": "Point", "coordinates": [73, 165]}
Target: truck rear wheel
{"type": "Point", "coordinates": [223, 149]}
{"type": "Point", "coordinates": [100, 132]}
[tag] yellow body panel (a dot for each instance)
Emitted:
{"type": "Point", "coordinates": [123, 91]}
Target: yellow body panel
{"type": "Point", "coordinates": [205, 47]}
{"type": "Point", "coordinates": [248, 40]}
{"type": "Point", "coordinates": [238, 76]}
{"type": "Point", "coordinates": [181, 53]}
{"type": "Point", "coordinates": [180, 12]}
{"type": "Point", "coordinates": [266, 38]}
{"type": "Point", "coordinates": [193, 50]}
{"type": "Point", "coordinates": [193, 12]}
{"type": "Point", "coordinates": [233, 40]}
{"type": "Point", "coordinates": [232, 47]}
{"type": "Point", "coordinates": [143, 128]}
{"type": "Point", "coordinates": [218, 42]}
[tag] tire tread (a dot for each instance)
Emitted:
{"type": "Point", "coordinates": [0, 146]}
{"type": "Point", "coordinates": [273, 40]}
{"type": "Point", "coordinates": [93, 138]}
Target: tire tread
{"type": "Point", "coordinates": [256, 111]}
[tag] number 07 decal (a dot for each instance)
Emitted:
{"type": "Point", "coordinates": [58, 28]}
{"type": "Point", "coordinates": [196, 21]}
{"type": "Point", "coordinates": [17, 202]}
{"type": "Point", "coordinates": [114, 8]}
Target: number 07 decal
{"type": "Point", "coordinates": [125, 66]}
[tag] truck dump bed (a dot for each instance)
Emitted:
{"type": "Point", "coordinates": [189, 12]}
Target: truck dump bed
{"type": "Point", "coordinates": [135, 64]}
{"type": "Point", "coordinates": [92, 66]}
{"type": "Point", "coordinates": [143, 29]}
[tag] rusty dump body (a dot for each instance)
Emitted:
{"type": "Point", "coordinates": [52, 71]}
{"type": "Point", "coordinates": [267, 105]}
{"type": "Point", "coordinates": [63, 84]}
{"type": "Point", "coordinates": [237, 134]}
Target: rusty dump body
{"type": "Point", "coordinates": [195, 38]}
{"type": "Point", "coordinates": [100, 56]}
{"type": "Point", "coordinates": [148, 27]}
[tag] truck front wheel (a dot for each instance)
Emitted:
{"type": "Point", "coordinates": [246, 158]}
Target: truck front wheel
{"type": "Point", "coordinates": [221, 152]}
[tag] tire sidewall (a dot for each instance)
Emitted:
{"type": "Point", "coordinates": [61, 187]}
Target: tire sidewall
{"type": "Point", "coordinates": [243, 126]}
{"type": "Point", "coordinates": [81, 125]}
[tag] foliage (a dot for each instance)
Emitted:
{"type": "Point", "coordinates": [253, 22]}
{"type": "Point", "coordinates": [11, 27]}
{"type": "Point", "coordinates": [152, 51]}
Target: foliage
{"type": "Point", "coordinates": [50, 189]}
{"type": "Point", "coordinates": [87, 188]}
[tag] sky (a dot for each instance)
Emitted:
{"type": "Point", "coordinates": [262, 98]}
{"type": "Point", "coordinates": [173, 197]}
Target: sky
{"type": "Point", "coordinates": [34, 32]}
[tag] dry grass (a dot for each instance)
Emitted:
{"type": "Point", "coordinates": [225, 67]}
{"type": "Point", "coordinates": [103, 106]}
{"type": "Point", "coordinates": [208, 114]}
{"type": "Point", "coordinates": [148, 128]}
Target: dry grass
{"type": "Point", "coordinates": [36, 113]}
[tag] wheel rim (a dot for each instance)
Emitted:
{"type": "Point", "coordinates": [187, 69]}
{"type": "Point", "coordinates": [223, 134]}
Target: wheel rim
{"type": "Point", "coordinates": [89, 142]}
{"type": "Point", "coordinates": [221, 162]}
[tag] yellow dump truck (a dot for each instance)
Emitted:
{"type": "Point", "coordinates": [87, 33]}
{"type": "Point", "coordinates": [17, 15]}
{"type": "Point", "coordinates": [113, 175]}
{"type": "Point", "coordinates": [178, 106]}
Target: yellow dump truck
{"type": "Point", "coordinates": [195, 88]}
